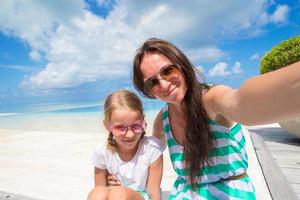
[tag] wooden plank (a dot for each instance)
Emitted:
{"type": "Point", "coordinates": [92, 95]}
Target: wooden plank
{"type": "Point", "coordinates": [277, 183]}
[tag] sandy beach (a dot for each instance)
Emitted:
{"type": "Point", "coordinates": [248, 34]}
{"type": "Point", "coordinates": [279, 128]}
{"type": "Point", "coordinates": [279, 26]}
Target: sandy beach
{"type": "Point", "coordinates": [53, 162]}
{"type": "Point", "coordinates": [49, 157]}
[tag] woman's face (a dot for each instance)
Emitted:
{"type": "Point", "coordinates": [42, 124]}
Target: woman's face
{"type": "Point", "coordinates": [170, 90]}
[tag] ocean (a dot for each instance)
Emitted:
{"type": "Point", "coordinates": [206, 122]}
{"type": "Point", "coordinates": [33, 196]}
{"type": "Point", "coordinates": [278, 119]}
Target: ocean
{"type": "Point", "coordinates": [76, 117]}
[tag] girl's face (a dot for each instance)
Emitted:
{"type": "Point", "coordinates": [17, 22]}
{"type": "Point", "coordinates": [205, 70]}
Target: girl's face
{"type": "Point", "coordinates": [127, 127]}
{"type": "Point", "coordinates": [169, 83]}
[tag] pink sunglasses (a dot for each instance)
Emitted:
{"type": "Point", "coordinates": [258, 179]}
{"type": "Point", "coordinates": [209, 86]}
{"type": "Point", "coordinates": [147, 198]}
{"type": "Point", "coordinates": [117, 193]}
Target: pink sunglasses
{"type": "Point", "coordinates": [122, 129]}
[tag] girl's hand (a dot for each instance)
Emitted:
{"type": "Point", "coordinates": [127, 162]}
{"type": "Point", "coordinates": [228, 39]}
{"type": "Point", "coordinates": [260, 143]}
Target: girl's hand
{"type": "Point", "coordinates": [112, 180]}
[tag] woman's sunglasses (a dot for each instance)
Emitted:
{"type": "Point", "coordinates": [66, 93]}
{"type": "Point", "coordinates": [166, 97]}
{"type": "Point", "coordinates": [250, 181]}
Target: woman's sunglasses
{"type": "Point", "coordinates": [167, 73]}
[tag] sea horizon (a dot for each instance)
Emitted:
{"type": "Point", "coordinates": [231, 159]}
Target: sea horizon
{"type": "Point", "coordinates": [79, 117]}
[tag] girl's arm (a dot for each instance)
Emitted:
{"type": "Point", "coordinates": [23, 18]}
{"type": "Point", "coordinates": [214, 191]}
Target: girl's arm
{"type": "Point", "coordinates": [154, 179]}
{"type": "Point", "coordinates": [267, 98]}
{"type": "Point", "coordinates": [100, 177]}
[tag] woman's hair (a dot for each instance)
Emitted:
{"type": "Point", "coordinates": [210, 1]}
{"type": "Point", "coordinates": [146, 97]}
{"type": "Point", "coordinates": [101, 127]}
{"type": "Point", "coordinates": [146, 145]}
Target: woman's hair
{"type": "Point", "coordinates": [122, 99]}
{"type": "Point", "coordinates": [198, 138]}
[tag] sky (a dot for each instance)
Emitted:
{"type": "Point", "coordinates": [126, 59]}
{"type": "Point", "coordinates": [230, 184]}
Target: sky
{"type": "Point", "coordinates": [80, 50]}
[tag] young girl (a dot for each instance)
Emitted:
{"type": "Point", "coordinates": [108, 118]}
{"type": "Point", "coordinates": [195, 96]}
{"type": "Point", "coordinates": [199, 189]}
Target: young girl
{"type": "Point", "coordinates": [136, 160]}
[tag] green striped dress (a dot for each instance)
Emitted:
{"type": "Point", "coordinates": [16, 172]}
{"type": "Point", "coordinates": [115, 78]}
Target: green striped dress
{"type": "Point", "coordinates": [229, 158]}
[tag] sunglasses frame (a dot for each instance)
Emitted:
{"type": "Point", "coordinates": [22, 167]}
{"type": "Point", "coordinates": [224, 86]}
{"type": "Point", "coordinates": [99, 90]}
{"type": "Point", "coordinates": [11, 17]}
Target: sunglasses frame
{"type": "Point", "coordinates": [128, 126]}
{"type": "Point", "coordinates": [147, 88]}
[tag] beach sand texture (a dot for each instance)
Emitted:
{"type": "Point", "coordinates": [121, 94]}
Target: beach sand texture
{"type": "Point", "coordinates": [50, 160]}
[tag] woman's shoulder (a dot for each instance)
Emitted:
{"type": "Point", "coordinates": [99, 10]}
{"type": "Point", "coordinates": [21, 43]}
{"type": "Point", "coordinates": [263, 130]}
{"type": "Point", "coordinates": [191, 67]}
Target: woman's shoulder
{"type": "Point", "coordinates": [216, 90]}
{"type": "Point", "coordinates": [213, 96]}
{"type": "Point", "coordinates": [215, 103]}
{"type": "Point", "coordinates": [158, 125]}
{"type": "Point", "coordinates": [210, 96]}
{"type": "Point", "coordinates": [159, 118]}
{"type": "Point", "coordinates": [161, 112]}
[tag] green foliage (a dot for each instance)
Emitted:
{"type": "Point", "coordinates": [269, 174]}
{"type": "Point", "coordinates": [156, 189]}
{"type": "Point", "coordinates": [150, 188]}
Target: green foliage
{"type": "Point", "coordinates": [283, 54]}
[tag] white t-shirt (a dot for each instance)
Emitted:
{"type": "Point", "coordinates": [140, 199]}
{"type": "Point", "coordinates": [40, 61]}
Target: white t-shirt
{"type": "Point", "coordinates": [133, 173]}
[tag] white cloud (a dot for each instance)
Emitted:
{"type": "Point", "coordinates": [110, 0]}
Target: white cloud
{"type": "Point", "coordinates": [35, 55]}
{"type": "Point", "coordinates": [35, 21]}
{"type": "Point", "coordinates": [219, 69]}
{"type": "Point", "coordinates": [85, 52]}
{"type": "Point", "coordinates": [208, 54]}
{"type": "Point", "coordinates": [200, 73]}
{"type": "Point", "coordinates": [200, 69]}
{"type": "Point", "coordinates": [22, 68]}
{"type": "Point", "coordinates": [103, 2]}
{"type": "Point", "coordinates": [236, 69]}
{"type": "Point", "coordinates": [280, 15]}
{"type": "Point", "coordinates": [82, 47]}
{"type": "Point", "coordinates": [255, 57]}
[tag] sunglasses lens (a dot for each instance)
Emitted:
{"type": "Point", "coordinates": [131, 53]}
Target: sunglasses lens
{"type": "Point", "coordinates": [137, 128]}
{"type": "Point", "coordinates": [119, 129]}
{"type": "Point", "coordinates": [151, 85]}
{"type": "Point", "coordinates": [169, 72]}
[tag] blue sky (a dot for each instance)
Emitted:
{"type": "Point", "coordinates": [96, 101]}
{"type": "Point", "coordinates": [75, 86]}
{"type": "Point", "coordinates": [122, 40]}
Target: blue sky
{"type": "Point", "coordinates": [76, 50]}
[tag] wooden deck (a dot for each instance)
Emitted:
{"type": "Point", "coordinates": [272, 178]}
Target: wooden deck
{"type": "Point", "coordinates": [284, 150]}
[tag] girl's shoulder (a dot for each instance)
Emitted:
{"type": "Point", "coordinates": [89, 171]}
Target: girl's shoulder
{"type": "Point", "coordinates": [101, 149]}
{"type": "Point", "coordinates": [151, 142]}
{"type": "Point", "coordinates": [100, 156]}
{"type": "Point", "coordinates": [151, 149]}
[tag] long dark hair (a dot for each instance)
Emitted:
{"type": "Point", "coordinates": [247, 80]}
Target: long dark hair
{"type": "Point", "coordinates": [198, 139]}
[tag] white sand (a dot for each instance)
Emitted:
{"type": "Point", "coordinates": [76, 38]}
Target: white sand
{"type": "Point", "coordinates": [43, 162]}
{"type": "Point", "coordinates": [55, 165]}
{"type": "Point", "coordinates": [47, 165]}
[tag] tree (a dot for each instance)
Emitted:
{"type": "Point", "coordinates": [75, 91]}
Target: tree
{"type": "Point", "coordinates": [283, 54]}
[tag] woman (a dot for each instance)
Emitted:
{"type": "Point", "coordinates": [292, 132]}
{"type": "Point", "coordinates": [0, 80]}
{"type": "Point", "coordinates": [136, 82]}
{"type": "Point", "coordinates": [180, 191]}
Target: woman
{"type": "Point", "coordinates": [202, 125]}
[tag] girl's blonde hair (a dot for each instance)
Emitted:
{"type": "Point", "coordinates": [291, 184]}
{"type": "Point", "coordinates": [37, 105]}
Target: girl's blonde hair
{"type": "Point", "coordinates": [122, 99]}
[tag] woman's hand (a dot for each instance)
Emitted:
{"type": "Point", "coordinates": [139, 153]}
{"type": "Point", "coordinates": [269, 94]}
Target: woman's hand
{"type": "Point", "coordinates": [112, 180]}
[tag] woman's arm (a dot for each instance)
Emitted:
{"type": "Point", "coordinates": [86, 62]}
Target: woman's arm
{"type": "Point", "coordinates": [267, 98]}
{"type": "Point", "coordinates": [100, 177]}
{"type": "Point", "coordinates": [154, 179]}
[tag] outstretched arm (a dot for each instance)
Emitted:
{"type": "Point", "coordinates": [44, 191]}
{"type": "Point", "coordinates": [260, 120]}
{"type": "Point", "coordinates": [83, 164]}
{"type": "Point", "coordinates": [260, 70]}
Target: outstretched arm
{"type": "Point", "coordinates": [267, 98]}
{"type": "Point", "coordinates": [154, 179]}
